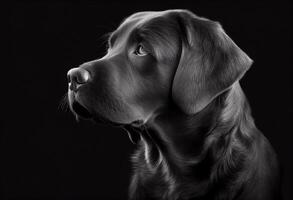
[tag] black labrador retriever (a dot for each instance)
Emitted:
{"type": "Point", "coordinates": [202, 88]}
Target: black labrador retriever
{"type": "Point", "coordinates": [171, 79]}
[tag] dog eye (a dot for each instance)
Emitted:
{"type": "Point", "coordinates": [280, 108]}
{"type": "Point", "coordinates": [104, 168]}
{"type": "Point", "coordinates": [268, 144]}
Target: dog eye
{"type": "Point", "coordinates": [140, 50]}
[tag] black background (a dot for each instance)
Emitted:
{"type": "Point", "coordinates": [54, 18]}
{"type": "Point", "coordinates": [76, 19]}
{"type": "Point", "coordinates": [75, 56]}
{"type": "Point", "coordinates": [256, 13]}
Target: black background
{"type": "Point", "coordinates": [46, 154]}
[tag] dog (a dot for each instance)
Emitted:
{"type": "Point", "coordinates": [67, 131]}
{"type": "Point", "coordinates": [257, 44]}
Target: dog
{"type": "Point", "coordinates": [171, 79]}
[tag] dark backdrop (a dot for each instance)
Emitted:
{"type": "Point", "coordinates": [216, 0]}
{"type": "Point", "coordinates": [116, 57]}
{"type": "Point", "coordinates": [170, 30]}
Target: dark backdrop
{"type": "Point", "coordinates": [46, 154]}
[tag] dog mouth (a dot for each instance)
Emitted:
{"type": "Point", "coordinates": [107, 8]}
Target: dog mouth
{"type": "Point", "coordinates": [84, 112]}
{"type": "Point", "coordinates": [81, 111]}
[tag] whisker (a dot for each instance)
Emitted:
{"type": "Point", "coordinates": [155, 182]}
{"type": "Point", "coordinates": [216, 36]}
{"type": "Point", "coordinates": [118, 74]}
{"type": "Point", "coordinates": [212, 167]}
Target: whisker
{"type": "Point", "coordinates": [63, 105]}
{"type": "Point", "coordinates": [103, 41]}
{"type": "Point", "coordinates": [105, 36]}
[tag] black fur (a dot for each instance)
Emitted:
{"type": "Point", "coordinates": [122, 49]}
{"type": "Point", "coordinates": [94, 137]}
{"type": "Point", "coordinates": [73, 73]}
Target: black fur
{"type": "Point", "coordinates": [171, 79]}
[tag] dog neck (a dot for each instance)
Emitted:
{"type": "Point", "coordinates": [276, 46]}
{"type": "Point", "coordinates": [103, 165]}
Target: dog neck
{"type": "Point", "coordinates": [181, 145]}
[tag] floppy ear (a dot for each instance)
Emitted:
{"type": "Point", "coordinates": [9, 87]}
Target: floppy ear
{"type": "Point", "coordinates": [210, 63]}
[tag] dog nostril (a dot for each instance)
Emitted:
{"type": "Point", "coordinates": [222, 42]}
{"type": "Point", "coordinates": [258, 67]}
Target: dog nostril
{"type": "Point", "coordinates": [76, 77]}
{"type": "Point", "coordinates": [82, 77]}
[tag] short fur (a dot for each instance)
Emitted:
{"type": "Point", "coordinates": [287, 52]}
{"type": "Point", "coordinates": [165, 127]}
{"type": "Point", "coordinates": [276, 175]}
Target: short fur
{"type": "Point", "coordinates": [183, 104]}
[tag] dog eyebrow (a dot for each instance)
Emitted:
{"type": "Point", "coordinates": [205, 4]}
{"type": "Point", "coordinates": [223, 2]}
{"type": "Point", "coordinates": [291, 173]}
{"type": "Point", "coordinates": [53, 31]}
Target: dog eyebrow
{"type": "Point", "coordinates": [156, 38]}
{"type": "Point", "coordinates": [158, 41]}
{"type": "Point", "coordinates": [112, 39]}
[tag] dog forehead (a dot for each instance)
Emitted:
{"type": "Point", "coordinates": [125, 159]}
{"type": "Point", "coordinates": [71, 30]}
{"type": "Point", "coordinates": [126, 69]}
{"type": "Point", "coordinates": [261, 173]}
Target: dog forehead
{"type": "Point", "coordinates": [144, 23]}
{"type": "Point", "coordinates": [141, 19]}
{"type": "Point", "coordinates": [156, 28]}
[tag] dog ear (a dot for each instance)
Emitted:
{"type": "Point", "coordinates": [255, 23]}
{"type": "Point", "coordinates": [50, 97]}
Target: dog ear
{"type": "Point", "coordinates": [210, 63]}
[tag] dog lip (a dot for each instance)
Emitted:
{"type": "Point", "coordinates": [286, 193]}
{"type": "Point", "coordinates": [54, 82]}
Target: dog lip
{"type": "Point", "coordinates": [102, 120]}
{"type": "Point", "coordinates": [80, 110]}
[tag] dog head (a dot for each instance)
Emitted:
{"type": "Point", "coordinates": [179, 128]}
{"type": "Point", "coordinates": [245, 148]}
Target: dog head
{"type": "Point", "coordinates": [155, 58]}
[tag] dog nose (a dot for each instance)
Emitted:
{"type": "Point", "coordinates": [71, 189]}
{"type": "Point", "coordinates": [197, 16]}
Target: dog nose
{"type": "Point", "coordinates": [77, 77]}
